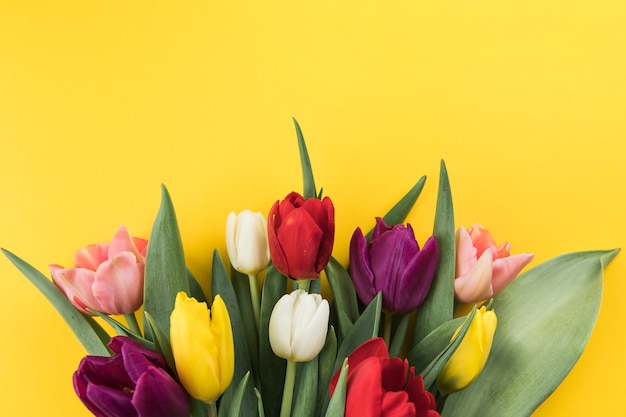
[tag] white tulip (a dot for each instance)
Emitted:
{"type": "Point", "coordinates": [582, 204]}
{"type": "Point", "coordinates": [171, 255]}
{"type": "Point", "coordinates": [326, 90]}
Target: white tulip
{"type": "Point", "coordinates": [298, 326]}
{"type": "Point", "coordinates": [246, 242]}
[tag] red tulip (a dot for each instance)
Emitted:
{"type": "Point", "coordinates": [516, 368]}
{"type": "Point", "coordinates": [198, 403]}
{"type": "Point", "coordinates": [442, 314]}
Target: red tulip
{"type": "Point", "coordinates": [301, 234]}
{"type": "Point", "coordinates": [380, 386]}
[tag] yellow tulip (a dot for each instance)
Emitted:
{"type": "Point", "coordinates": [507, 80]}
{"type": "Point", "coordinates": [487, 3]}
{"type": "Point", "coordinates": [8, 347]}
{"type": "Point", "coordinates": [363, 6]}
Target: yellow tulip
{"type": "Point", "coordinates": [203, 348]}
{"type": "Point", "coordinates": [470, 357]}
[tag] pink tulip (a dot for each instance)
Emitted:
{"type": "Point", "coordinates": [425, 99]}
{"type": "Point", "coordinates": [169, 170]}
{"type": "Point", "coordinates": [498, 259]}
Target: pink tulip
{"type": "Point", "coordinates": [108, 277]}
{"type": "Point", "coordinates": [483, 269]}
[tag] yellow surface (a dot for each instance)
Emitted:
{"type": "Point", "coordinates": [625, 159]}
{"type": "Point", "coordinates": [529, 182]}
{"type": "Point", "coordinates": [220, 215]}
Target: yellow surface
{"type": "Point", "coordinates": [101, 102]}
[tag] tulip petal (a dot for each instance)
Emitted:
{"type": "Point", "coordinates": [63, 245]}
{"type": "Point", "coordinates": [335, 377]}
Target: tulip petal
{"type": "Point", "coordinates": [194, 348]}
{"type": "Point", "coordinates": [380, 228]}
{"type": "Point", "coordinates": [122, 242]}
{"type": "Point", "coordinates": [364, 389]}
{"type": "Point", "coordinates": [475, 285]}
{"type": "Point", "coordinates": [309, 338]}
{"type": "Point", "coordinates": [416, 278]}
{"type": "Point", "coordinates": [465, 252]}
{"type": "Point", "coordinates": [158, 395]}
{"type": "Point", "coordinates": [506, 269]}
{"type": "Point", "coordinates": [328, 227]}
{"type": "Point", "coordinates": [276, 251]}
{"type": "Point", "coordinates": [91, 256]}
{"type": "Point", "coordinates": [118, 284]}
{"type": "Point", "coordinates": [112, 402]}
{"type": "Point", "coordinates": [394, 374]}
{"type": "Point", "coordinates": [300, 239]}
{"type": "Point", "coordinates": [280, 325]}
{"type": "Point", "coordinates": [76, 284]}
{"type": "Point", "coordinates": [424, 401]}
{"type": "Point", "coordinates": [374, 347]}
{"type": "Point", "coordinates": [360, 268]}
{"type": "Point", "coordinates": [482, 240]}
{"type": "Point", "coordinates": [396, 404]}
{"type": "Point", "coordinates": [251, 252]}
{"type": "Point", "coordinates": [223, 333]}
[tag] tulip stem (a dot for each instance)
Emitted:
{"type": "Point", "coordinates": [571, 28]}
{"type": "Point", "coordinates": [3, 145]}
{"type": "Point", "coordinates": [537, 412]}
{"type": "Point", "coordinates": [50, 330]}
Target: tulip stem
{"type": "Point", "coordinates": [254, 298]}
{"type": "Point", "coordinates": [212, 409]}
{"type": "Point", "coordinates": [387, 328]}
{"type": "Point", "coordinates": [133, 325]}
{"type": "Point", "coordinates": [303, 284]}
{"type": "Point", "coordinates": [290, 379]}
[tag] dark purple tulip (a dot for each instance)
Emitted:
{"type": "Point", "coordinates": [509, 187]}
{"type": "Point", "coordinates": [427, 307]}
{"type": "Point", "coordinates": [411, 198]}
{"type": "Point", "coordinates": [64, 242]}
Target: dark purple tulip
{"type": "Point", "coordinates": [393, 263]}
{"type": "Point", "coordinates": [134, 382]}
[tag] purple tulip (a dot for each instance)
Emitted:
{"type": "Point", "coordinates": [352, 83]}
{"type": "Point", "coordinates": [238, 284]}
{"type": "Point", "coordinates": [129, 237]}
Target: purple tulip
{"type": "Point", "coordinates": [393, 263]}
{"type": "Point", "coordinates": [134, 382]}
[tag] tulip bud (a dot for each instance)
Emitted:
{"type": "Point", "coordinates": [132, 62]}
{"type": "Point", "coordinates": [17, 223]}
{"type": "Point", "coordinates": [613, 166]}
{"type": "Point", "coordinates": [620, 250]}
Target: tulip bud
{"type": "Point", "coordinates": [392, 263]}
{"type": "Point", "coordinates": [107, 277]}
{"type": "Point", "coordinates": [301, 234]}
{"type": "Point", "coordinates": [203, 347]}
{"type": "Point", "coordinates": [133, 381]}
{"type": "Point", "coordinates": [470, 357]}
{"type": "Point", "coordinates": [483, 269]}
{"type": "Point", "coordinates": [298, 326]}
{"type": "Point", "coordinates": [246, 242]}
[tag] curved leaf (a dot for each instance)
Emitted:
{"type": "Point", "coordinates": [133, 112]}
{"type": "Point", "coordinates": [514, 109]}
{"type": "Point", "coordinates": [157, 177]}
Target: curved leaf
{"type": "Point", "coordinates": [307, 170]}
{"type": "Point", "coordinates": [89, 333]}
{"type": "Point", "coordinates": [545, 318]}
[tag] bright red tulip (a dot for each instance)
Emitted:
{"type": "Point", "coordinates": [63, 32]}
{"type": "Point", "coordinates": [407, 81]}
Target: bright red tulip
{"type": "Point", "coordinates": [301, 234]}
{"type": "Point", "coordinates": [380, 386]}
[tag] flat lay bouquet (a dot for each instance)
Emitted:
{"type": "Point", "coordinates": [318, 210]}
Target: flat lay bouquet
{"type": "Point", "coordinates": [446, 327]}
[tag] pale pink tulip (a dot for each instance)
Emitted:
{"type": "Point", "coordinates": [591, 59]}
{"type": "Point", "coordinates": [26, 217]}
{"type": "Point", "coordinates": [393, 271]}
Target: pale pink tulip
{"type": "Point", "coordinates": [107, 277]}
{"type": "Point", "coordinates": [483, 269]}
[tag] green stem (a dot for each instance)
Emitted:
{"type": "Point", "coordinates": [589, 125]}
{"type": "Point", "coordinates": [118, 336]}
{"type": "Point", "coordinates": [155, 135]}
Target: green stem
{"type": "Point", "coordinates": [254, 298]}
{"type": "Point", "coordinates": [303, 284]}
{"type": "Point", "coordinates": [387, 328]}
{"type": "Point", "coordinates": [290, 379]}
{"type": "Point", "coordinates": [212, 409]}
{"type": "Point", "coordinates": [133, 325]}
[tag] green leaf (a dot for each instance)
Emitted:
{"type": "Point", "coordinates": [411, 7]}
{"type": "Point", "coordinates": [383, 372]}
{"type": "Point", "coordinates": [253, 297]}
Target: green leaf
{"type": "Point", "coordinates": [161, 342]}
{"type": "Point", "coordinates": [429, 347]}
{"type": "Point", "coordinates": [260, 407]}
{"type": "Point", "coordinates": [272, 368]}
{"type": "Point", "coordinates": [344, 294]}
{"type": "Point", "coordinates": [237, 407]}
{"type": "Point", "coordinates": [326, 366]}
{"type": "Point", "coordinates": [195, 290]}
{"type": "Point", "coordinates": [438, 307]}
{"type": "Point", "coordinates": [398, 213]}
{"type": "Point", "coordinates": [305, 390]}
{"type": "Point", "coordinates": [365, 328]}
{"type": "Point", "coordinates": [433, 369]}
{"type": "Point", "coordinates": [241, 286]}
{"type": "Point", "coordinates": [307, 170]}
{"type": "Point", "coordinates": [222, 285]}
{"type": "Point", "coordinates": [545, 318]}
{"type": "Point", "coordinates": [337, 404]}
{"type": "Point", "coordinates": [397, 341]}
{"type": "Point", "coordinates": [88, 332]}
{"type": "Point", "coordinates": [166, 273]}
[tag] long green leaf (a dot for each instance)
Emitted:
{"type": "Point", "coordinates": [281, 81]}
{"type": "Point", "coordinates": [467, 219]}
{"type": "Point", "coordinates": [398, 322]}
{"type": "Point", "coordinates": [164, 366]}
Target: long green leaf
{"type": "Point", "coordinates": [429, 347]}
{"type": "Point", "coordinates": [166, 273]}
{"type": "Point", "coordinates": [307, 170]}
{"type": "Point", "coordinates": [337, 404]}
{"type": "Point", "coordinates": [398, 213]}
{"type": "Point", "coordinates": [326, 363]}
{"type": "Point", "coordinates": [343, 290]}
{"type": "Point", "coordinates": [241, 285]}
{"type": "Point", "coordinates": [222, 285]}
{"type": "Point", "coordinates": [88, 332]}
{"type": "Point", "coordinates": [545, 318]}
{"type": "Point", "coordinates": [305, 391]}
{"type": "Point", "coordinates": [237, 407]}
{"type": "Point", "coordinates": [272, 368]}
{"type": "Point", "coordinates": [366, 327]}
{"type": "Point", "coordinates": [438, 307]}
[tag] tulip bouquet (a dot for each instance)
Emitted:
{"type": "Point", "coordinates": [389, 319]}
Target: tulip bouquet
{"type": "Point", "coordinates": [442, 329]}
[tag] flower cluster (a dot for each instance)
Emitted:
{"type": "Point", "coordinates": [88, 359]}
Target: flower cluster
{"type": "Point", "coordinates": [284, 349]}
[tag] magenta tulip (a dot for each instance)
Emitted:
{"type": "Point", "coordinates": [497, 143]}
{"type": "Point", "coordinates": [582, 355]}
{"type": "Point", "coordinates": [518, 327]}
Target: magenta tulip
{"type": "Point", "coordinates": [134, 382]}
{"type": "Point", "coordinates": [301, 234]}
{"type": "Point", "coordinates": [392, 263]}
{"type": "Point", "coordinates": [107, 277]}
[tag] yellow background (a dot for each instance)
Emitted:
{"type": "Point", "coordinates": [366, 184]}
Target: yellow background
{"type": "Point", "coordinates": [101, 102]}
